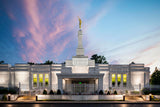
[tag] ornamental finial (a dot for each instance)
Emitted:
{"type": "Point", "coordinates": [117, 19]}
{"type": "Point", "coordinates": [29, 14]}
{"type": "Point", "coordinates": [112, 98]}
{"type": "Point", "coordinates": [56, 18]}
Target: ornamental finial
{"type": "Point", "coordinates": [80, 22]}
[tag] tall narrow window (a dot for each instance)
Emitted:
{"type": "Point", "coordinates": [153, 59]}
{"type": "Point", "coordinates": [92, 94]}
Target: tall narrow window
{"type": "Point", "coordinates": [41, 79]}
{"type": "Point", "coordinates": [119, 79]}
{"type": "Point", "coordinates": [113, 80]}
{"type": "Point", "coordinates": [46, 79]}
{"type": "Point", "coordinates": [34, 80]}
{"type": "Point", "coordinates": [124, 80]}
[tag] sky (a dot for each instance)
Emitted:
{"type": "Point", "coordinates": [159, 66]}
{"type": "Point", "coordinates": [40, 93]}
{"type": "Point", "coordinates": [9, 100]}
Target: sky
{"type": "Point", "coordinates": [121, 30]}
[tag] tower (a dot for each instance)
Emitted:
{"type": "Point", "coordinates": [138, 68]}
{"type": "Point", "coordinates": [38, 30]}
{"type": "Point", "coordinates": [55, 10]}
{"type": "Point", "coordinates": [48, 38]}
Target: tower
{"type": "Point", "coordinates": [80, 49]}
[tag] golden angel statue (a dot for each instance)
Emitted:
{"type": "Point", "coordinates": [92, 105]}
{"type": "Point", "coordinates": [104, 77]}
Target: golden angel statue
{"type": "Point", "coordinates": [80, 21]}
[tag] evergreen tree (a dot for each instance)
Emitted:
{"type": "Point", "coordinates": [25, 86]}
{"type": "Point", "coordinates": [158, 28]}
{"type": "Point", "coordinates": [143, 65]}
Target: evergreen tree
{"type": "Point", "coordinates": [155, 77]}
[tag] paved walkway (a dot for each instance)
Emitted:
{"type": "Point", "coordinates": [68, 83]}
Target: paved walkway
{"type": "Point", "coordinates": [50, 102]}
{"type": "Point", "coordinates": [31, 100]}
{"type": "Point", "coordinates": [134, 98]}
{"type": "Point", "coordinates": [26, 98]}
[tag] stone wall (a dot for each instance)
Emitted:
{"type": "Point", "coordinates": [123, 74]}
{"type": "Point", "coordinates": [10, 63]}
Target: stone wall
{"type": "Point", "coordinates": [80, 97]}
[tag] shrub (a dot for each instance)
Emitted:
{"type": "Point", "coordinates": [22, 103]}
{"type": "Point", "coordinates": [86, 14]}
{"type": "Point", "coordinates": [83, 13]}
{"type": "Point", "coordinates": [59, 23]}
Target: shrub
{"type": "Point", "coordinates": [146, 91]}
{"type": "Point", "coordinates": [155, 92]}
{"type": "Point", "coordinates": [3, 91]}
{"type": "Point", "coordinates": [12, 91]}
{"type": "Point", "coordinates": [100, 92]}
{"type": "Point", "coordinates": [115, 92]}
{"type": "Point", "coordinates": [58, 92]}
{"type": "Point", "coordinates": [8, 90]}
{"type": "Point", "coordinates": [108, 93]}
{"type": "Point", "coordinates": [4, 98]}
{"type": "Point", "coordinates": [45, 92]}
{"type": "Point", "coordinates": [51, 92]}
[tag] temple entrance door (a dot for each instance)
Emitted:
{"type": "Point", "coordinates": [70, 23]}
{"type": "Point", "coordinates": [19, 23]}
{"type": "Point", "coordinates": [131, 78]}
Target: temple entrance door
{"type": "Point", "coordinates": [80, 87]}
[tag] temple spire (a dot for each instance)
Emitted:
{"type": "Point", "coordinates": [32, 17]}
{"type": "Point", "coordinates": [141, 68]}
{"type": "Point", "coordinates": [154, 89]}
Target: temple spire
{"type": "Point", "coordinates": [80, 50]}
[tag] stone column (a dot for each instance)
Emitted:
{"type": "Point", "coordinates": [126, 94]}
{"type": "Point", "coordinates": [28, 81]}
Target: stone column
{"type": "Point", "coordinates": [60, 83]}
{"type": "Point", "coordinates": [127, 86]}
{"type": "Point", "coordinates": [30, 79]}
{"type": "Point", "coordinates": [116, 83]}
{"type": "Point", "coordinates": [50, 80]}
{"type": "Point", "coordinates": [43, 81]}
{"type": "Point", "coordinates": [110, 79]}
{"type": "Point", "coordinates": [121, 81]}
{"type": "Point", "coordinates": [38, 81]}
{"type": "Point", "coordinates": [100, 84]}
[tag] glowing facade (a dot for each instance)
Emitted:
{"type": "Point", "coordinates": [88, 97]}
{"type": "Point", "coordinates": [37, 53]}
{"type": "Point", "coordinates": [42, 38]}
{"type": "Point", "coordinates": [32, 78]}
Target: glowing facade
{"type": "Point", "coordinates": [78, 75]}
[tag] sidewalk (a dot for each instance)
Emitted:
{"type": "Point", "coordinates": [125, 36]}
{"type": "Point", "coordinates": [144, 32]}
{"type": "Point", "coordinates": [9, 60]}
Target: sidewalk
{"type": "Point", "coordinates": [62, 102]}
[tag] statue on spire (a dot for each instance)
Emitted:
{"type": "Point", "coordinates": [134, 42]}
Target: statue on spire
{"type": "Point", "coordinates": [80, 21]}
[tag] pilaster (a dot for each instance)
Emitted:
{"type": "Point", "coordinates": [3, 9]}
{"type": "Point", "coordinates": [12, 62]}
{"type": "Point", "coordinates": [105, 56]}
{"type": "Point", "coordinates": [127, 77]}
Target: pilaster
{"type": "Point", "coordinates": [100, 83]}
{"type": "Point", "coordinates": [60, 83]}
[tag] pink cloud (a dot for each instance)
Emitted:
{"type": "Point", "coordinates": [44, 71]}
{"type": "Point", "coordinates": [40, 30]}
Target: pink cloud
{"type": "Point", "coordinates": [44, 29]}
{"type": "Point", "coordinates": [151, 47]}
{"type": "Point", "coordinates": [11, 15]}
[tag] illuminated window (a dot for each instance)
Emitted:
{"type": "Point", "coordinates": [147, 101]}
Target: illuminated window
{"type": "Point", "coordinates": [35, 80]}
{"type": "Point", "coordinates": [113, 79]}
{"type": "Point", "coordinates": [119, 79]}
{"type": "Point", "coordinates": [124, 79]}
{"type": "Point", "coordinates": [46, 79]}
{"type": "Point", "coordinates": [41, 79]}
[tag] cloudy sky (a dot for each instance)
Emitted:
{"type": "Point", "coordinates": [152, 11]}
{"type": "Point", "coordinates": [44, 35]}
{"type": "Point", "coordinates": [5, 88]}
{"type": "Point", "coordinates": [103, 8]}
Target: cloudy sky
{"type": "Point", "coordinates": [121, 30]}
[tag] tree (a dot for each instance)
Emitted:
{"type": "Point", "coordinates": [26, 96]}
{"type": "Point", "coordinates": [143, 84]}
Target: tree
{"type": "Point", "coordinates": [31, 63]}
{"type": "Point", "coordinates": [48, 62]}
{"type": "Point", "coordinates": [51, 92]}
{"type": "Point", "coordinates": [58, 92]}
{"type": "Point", "coordinates": [132, 62]}
{"type": "Point", "coordinates": [155, 77]}
{"type": "Point", "coordinates": [99, 59]}
{"type": "Point", "coordinates": [101, 92]}
{"type": "Point", "coordinates": [45, 92]}
{"type": "Point", "coordinates": [1, 62]}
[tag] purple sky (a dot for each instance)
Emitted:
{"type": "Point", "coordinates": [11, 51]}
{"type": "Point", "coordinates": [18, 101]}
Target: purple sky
{"type": "Point", "coordinates": [121, 30]}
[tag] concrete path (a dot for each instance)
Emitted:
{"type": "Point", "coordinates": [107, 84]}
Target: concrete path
{"type": "Point", "coordinates": [26, 98]}
{"type": "Point", "coordinates": [89, 102]}
{"type": "Point", "coordinates": [133, 98]}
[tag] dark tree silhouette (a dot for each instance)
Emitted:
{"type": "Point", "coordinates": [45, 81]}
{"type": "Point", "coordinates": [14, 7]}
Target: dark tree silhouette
{"type": "Point", "coordinates": [99, 59]}
{"type": "Point", "coordinates": [155, 77]}
{"type": "Point", "coordinates": [48, 62]}
{"type": "Point", "coordinates": [1, 62]}
{"type": "Point", "coordinates": [31, 63]}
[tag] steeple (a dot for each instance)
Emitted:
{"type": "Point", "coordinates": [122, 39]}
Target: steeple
{"type": "Point", "coordinates": [80, 49]}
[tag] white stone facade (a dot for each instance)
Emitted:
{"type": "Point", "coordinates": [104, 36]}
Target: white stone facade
{"type": "Point", "coordinates": [78, 75]}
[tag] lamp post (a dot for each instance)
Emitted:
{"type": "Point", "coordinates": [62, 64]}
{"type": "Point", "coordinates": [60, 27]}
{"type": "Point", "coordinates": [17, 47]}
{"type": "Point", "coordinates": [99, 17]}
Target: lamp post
{"type": "Point", "coordinates": [123, 97]}
{"type": "Point", "coordinates": [9, 97]}
{"type": "Point", "coordinates": [36, 97]}
{"type": "Point", "coordinates": [150, 97]}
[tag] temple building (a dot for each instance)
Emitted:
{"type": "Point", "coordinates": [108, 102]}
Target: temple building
{"type": "Point", "coordinates": [78, 75]}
